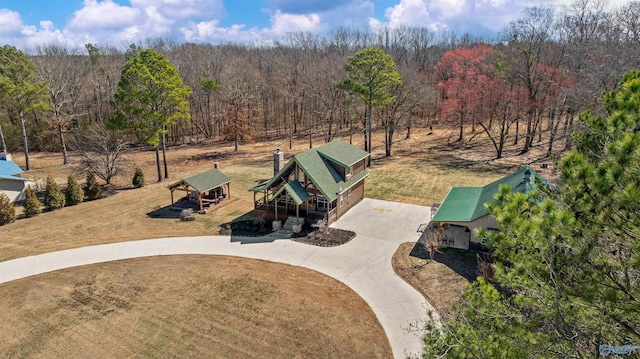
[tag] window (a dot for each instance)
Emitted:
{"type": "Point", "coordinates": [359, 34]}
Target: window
{"type": "Point", "coordinates": [348, 172]}
{"type": "Point", "coordinates": [321, 203]}
{"type": "Point", "coordinates": [341, 200]}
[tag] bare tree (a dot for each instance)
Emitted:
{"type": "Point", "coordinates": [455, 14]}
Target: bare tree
{"type": "Point", "coordinates": [101, 150]}
{"type": "Point", "coordinates": [63, 70]}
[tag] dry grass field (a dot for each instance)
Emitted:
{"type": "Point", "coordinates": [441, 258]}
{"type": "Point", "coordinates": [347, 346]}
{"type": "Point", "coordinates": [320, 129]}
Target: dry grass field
{"type": "Point", "coordinates": [421, 171]}
{"type": "Point", "coordinates": [440, 281]}
{"type": "Point", "coordinates": [213, 307]}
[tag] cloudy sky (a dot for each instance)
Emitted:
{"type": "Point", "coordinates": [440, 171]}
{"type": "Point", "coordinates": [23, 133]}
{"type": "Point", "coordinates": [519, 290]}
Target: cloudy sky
{"type": "Point", "coordinates": [27, 23]}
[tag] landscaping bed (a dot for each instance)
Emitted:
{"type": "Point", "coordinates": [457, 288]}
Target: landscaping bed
{"type": "Point", "coordinates": [330, 238]}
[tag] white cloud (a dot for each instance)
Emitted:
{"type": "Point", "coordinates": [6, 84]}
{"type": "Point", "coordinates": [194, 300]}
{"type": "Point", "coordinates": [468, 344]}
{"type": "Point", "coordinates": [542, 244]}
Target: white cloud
{"type": "Point", "coordinates": [96, 16]}
{"type": "Point", "coordinates": [10, 22]}
{"type": "Point", "coordinates": [209, 31]}
{"type": "Point", "coordinates": [450, 8]}
{"type": "Point", "coordinates": [184, 9]}
{"type": "Point", "coordinates": [282, 23]}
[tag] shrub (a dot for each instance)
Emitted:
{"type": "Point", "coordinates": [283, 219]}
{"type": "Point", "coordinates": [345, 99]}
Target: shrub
{"type": "Point", "coordinates": [7, 210]}
{"type": "Point", "coordinates": [91, 187]}
{"type": "Point", "coordinates": [187, 215]}
{"type": "Point", "coordinates": [74, 193]}
{"type": "Point", "coordinates": [53, 198]}
{"type": "Point", "coordinates": [138, 178]}
{"type": "Point", "coordinates": [31, 204]}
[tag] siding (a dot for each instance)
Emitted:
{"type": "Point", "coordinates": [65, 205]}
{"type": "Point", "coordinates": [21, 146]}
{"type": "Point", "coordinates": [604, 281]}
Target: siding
{"type": "Point", "coordinates": [13, 189]}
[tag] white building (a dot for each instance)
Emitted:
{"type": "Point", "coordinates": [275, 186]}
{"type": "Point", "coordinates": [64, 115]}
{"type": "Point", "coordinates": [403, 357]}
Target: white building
{"type": "Point", "coordinates": [10, 183]}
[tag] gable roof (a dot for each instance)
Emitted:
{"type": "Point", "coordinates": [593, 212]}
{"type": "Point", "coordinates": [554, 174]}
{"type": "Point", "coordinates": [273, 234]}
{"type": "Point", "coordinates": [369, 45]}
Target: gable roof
{"type": "Point", "coordinates": [205, 181]}
{"type": "Point", "coordinates": [295, 191]}
{"type": "Point", "coordinates": [315, 163]}
{"type": "Point", "coordinates": [342, 153]}
{"type": "Point", "coordinates": [465, 204]}
{"type": "Point", "coordinates": [9, 168]}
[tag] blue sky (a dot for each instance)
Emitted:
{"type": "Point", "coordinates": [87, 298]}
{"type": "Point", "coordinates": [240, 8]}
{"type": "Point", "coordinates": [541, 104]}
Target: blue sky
{"type": "Point", "coordinates": [27, 23]}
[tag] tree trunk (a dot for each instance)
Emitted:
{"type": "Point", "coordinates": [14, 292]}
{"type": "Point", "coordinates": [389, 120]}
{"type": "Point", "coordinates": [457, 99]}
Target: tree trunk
{"type": "Point", "coordinates": [158, 163]}
{"type": "Point", "coordinates": [65, 156]}
{"type": "Point", "coordinates": [370, 113]}
{"type": "Point", "coordinates": [25, 143]}
{"type": "Point", "coordinates": [164, 156]}
{"type": "Point", "coordinates": [4, 145]}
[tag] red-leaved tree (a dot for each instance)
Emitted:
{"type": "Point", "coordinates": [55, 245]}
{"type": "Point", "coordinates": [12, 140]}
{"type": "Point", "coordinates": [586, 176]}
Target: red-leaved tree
{"type": "Point", "coordinates": [463, 75]}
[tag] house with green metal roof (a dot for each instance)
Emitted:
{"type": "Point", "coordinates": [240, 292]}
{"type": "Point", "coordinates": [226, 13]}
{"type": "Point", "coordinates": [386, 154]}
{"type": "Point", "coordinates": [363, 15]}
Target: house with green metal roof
{"type": "Point", "coordinates": [204, 189]}
{"type": "Point", "coordinates": [320, 183]}
{"type": "Point", "coordinates": [464, 210]}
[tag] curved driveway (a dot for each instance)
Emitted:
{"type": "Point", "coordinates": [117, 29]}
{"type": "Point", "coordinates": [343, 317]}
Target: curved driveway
{"type": "Point", "coordinates": [363, 264]}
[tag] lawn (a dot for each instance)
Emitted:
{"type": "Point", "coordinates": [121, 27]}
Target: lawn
{"type": "Point", "coordinates": [440, 281]}
{"type": "Point", "coordinates": [214, 306]}
{"type": "Point", "coordinates": [421, 171]}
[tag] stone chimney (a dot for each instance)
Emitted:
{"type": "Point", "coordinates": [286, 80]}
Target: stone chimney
{"type": "Point", "coordinates": [278, 161]}
{"type": "Point", "coordinates": [215, 165]}
{"type": "Point", "coordinates": [527, 175]}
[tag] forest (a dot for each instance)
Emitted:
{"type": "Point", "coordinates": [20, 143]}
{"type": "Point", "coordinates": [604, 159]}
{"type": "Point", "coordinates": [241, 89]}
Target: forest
{"type": "Point", "coordinates": [531, 80]}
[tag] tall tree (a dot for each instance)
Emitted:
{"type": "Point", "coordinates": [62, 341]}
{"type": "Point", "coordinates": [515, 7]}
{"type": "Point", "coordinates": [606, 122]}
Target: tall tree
{"type": "Point", "coordinates": [530, 46]}
{"type": "Point", "coordinates": [463, 76]}
{"type": "Point", "coordinates": [371, 74]}
{"type": "Point", "coordinates": [150, 96]}
{"type": "Point", "coordinates": [62, 69]}
{"type": "Point", "coordinates": [20, 92]}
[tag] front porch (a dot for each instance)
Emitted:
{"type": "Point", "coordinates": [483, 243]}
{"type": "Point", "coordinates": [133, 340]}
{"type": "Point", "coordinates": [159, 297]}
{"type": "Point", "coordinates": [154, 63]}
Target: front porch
{"type": "Point", "coordinates": [281, 207]}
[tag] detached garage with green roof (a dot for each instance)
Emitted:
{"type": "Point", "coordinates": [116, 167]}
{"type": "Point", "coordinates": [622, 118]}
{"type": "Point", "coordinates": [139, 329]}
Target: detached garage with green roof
{"type": "Point", "coordinates": [463, 210]}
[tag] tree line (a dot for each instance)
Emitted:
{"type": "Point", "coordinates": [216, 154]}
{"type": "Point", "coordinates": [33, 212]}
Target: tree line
{"type": "Point", "coordinates": [529, 81]}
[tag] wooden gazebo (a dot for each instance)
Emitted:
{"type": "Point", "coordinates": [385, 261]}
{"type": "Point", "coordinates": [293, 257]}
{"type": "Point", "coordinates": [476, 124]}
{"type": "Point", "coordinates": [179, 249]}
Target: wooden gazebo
{"type": "Point", "coordinates": [207, 187]}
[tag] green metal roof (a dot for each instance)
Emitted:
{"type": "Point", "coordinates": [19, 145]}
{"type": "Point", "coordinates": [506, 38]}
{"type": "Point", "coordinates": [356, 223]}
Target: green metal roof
{"type": "Point", "coordinates": [205, 181]}
{"type": "Point", "coordinates": [464, 204]}
{"type": "Point", "coordinates": [318, 169]}
{"type": "Point", "coordinates": [295, 191]}
{"type": "Point", "coordinates": [342, 153]}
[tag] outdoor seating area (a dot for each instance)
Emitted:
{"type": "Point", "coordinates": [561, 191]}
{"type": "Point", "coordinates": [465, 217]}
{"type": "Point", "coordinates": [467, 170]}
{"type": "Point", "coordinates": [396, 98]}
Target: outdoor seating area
{"type": "Point", "coordinates": [203, 190]}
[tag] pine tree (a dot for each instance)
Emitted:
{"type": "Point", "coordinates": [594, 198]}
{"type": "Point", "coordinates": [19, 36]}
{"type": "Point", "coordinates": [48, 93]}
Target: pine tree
{"type": "Point", "coordinates": [74, 193]}
{"type": "Point", "coordinates": [7, 210]}
{"type": "Point", "coordinates": [31, 204]}
{"type": "Point", "coordinates": [91, 187]}
{"type": "Point", "coordinates": [53, 198]}
{"type": "Point", "coordinates": [138, 178]}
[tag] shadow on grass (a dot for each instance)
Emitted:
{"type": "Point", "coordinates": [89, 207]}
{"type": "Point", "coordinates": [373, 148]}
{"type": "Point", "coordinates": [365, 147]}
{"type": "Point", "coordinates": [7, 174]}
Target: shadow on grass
{"type": "Point", "coordinates": [167, 212]}
{"type": "Point", "coordinates": [464, 263]}
{"type": "Point", "coordinates": [248, 229]}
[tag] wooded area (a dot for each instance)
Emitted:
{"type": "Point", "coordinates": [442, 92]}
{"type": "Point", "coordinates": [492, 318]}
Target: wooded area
{"type": "Point", "coordinates": [531, 81]}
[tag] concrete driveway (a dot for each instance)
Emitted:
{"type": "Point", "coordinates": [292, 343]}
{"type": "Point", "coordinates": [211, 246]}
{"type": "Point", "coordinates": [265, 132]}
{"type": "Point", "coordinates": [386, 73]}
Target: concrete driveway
{"type": "Point", "coordinates": [363, 264]}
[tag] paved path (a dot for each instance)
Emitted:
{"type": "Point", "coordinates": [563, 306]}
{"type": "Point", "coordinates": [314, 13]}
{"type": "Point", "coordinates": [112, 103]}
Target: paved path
{"type": "Point", "coordinates": [364, 264]}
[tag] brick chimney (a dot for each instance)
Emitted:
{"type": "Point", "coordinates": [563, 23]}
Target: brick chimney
{"type": "Point", "coordinates": [278, 161]}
